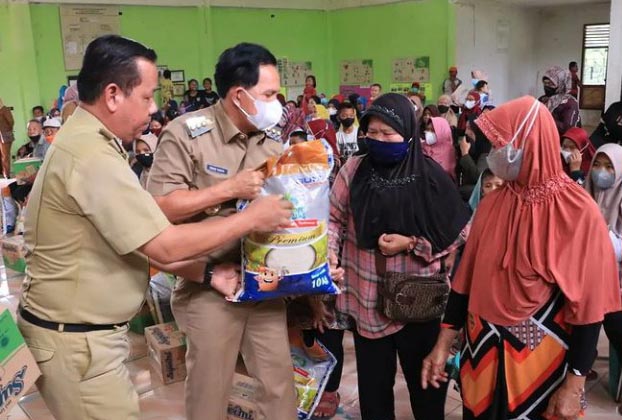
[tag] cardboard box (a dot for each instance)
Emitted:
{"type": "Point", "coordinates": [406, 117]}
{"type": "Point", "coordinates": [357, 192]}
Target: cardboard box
{"type": "Point", "coordinates": [13, 253]}
{"type": "Point", "coordinates": [18, 371]}
{"type": "Point", "coordinates": [167, 352]}
{"type": "Point", "coordinates": [242, 404]}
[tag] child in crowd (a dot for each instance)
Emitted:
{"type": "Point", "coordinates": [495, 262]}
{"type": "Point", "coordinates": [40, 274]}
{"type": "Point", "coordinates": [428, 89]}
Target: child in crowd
{"type": "Point", "coordinates": [166, 86]}
{"type": "Point", "coordinates": [488, 182]}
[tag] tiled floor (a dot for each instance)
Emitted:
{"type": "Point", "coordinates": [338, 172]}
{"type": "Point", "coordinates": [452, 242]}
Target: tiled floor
{"type": "Point", "coordinates": [159, 402]}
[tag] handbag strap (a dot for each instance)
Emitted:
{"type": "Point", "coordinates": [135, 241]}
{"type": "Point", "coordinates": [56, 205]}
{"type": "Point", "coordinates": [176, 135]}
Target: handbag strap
{"type": "Point", "coordinates": [381, 264]}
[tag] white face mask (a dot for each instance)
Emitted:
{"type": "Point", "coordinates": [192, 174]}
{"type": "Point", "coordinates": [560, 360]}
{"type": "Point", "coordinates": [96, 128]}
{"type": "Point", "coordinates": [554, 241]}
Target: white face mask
{"type": "Point", "coordinates": [506, 161]}
{"type": "Point", "coordinates": [430, 138]}
{"type": "Point", "coordinates": [469, 104]}
{"type": "Point", "coordinates": [268, 113]}
{"type": "Point", "coordinates": [332, 111]}
{"type": "Point", "coordinates": [566, 155]}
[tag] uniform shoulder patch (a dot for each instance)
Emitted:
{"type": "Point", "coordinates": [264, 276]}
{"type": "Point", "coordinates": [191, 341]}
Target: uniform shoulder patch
{"type": "Point", "coordinates": [197, 126]}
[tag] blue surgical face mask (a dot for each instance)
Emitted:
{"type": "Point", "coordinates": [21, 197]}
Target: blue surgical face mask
{"type": "Point", "coordinates": [603, 179]}
{"type": "Point", "coordinates": [386, 153]}
{"type": "Point", "coordinates": [474, 82]}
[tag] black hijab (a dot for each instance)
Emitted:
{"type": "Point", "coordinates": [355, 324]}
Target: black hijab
{"type": "Point", "coordinates": [415, 197]}
{"type": "Point", "coordinates": [610, 127]}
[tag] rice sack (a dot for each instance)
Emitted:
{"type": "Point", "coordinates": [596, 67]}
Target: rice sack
{"type": "Point", "coordinates": [293, 261]}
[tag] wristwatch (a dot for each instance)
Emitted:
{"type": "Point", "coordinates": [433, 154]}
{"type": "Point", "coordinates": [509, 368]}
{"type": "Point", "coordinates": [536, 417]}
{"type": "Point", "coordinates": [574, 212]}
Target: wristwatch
{"type": "Point", "coordinates": [207, 275]}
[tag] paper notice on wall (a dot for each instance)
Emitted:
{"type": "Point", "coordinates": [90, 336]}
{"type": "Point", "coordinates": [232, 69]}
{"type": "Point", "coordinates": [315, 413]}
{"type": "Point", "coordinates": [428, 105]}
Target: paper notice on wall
{"type": "Point", "coordinates": [293, 73]}
{"type": "Point", "coordinates": [356, 72]}
{"type": "Point", "coordinates": [80, 24]}
{"type": "Point", "coordinates": [409, 70]}
{"type": "Point", "coordinates": [399, 87]}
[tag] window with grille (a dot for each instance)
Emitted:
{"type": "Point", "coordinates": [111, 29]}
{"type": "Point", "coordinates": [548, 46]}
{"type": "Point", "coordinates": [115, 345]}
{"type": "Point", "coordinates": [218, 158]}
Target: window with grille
{"type": "Point", "coordinates": [595, 49]}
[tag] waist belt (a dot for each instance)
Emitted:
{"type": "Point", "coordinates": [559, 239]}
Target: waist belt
{"type": "Point", "coordinates": [72, 328]}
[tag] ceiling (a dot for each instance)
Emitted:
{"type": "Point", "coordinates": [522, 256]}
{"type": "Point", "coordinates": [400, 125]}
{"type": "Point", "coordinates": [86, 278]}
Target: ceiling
{"type": "Point", "coordinates": [308, 4]}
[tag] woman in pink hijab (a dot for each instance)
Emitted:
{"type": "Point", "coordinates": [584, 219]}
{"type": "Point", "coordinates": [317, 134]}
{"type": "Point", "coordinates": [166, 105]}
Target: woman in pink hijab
{"type": "Point", "coordinates": [438, 144]}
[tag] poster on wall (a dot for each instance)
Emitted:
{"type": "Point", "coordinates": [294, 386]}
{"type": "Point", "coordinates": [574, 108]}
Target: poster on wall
{"type": "Point", "coordinates": [80, 24]}
{"type": "Point", "coordinates": [411, 70]}
{"type": "Point", "coordinates": [347, 90]}
{"type": "Point", "coordinates": [356, 72]}
{"type": "Point", "coordinates": [399, 87]}
{"type": "Point", "coordinates": [293, 73]}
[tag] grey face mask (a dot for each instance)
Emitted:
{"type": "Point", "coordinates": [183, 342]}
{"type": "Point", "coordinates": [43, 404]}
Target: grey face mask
{"type": "Point", "coordinates": [505, 162]}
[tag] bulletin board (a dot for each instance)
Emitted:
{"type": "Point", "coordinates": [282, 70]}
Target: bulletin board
{"type": "Point", "coordinates": [80, 24]}
{"type": "Point", "coordinates": [293, 73]}
{"type": "Point", "coordinates": [356, 72]}
{"type": "Point", "coordinates": [408, 70]}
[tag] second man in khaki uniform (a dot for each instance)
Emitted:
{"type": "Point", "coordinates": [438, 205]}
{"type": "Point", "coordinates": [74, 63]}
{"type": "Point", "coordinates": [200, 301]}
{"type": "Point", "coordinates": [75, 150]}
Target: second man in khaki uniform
{"type": "Point", "coordinates": [201, 159]}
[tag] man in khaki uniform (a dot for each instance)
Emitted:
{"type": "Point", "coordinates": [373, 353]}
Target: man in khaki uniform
{"type": "Point", "coordinates": [90, 229]}
{"type": "Point", "coordinates": [190, 172]}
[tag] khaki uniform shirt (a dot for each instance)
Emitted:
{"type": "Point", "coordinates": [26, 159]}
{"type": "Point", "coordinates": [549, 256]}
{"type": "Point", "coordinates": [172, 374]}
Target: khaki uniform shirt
{"type": "Point", "coordinates": [182, 162]}
{"type": "Point", "coordinates": [87, 215]}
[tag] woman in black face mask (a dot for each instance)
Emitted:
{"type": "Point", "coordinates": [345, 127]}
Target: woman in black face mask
{"type": "Point", "coordinates": [144, 148]}
{"type": "Point", "coordinates": [557, 83]}
{"type": "Point", "coordinates": [400, 207]}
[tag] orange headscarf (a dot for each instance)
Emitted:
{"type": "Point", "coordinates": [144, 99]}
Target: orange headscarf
{"type": "Point", "coordinates": [536, 234]}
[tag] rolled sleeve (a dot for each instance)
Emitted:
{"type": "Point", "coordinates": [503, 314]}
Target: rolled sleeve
{"type": "Point", "coordinates": [109, 195]}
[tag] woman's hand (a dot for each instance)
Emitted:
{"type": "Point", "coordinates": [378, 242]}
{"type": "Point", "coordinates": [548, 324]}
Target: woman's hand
{"type": "Point", "coordinates": [565, 403]}
{"type": "Point", "coordinates": [433, 371]}
{"type": "Point", "coordinates": [574, 162]}
{"type": "Point", "coordinates": [322, 317]}
{"type": "Point", "coordinates": [393, 244]}
{"type": "Point", "coordinates": [465, 146]}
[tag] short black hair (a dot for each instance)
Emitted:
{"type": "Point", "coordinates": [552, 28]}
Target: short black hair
{"type": "Point", "coordinates": [346, 105]}
{"type": "Point", "coordinates": [193, 80]}
{"type": "Point", "coordinates": [157, 117]}
{"type": "Point", "coordinates": [34, 120]}
{"type": "Point", "coordinates": [111, 59]}
{"type": "Point", "coordinates": [38, 107]}
{"type": "Point", "coordinates": [572, 64]}
{"type": "Point", "coordinates": [292, 102]}
{"type": "Point", "coordinates": [167, 74]}
{"type": "Point", "coordinates": [207, 79]}
{"type": "Point", "coordinates": [316, 99]}
{"type": "Point", "coordinates": [239, 66]}
{"type": "Point", "coordinates": [298, 133]}
{"type": "Point", "coordinates": [377, 84]}
{"type": "Point", "coordinates": [480, 84]}
{"type": "Point", "coordinates": [312, 77]}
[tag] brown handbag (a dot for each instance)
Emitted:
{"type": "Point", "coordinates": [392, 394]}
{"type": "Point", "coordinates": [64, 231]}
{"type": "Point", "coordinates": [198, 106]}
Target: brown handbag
{"type": "Point", "coordinates": [408, 298]}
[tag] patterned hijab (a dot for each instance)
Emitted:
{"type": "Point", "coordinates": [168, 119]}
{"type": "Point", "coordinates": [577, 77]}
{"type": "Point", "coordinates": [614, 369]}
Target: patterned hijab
{"type": "Point", "coordinates": [562, 79]}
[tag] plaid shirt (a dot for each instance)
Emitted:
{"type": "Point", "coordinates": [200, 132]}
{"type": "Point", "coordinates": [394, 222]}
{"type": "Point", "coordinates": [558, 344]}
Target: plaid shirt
{"type": "Point", "coordinates": [361, 281]}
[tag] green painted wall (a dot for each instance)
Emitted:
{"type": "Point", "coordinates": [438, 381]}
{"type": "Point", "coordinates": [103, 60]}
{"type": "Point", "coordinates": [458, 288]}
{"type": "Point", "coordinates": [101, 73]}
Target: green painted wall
{"type": "Point", "coordinates": [191, 38]}
{"type": "Point", "coordinates": [383, 33]}
{"type": "Point", "coordinates": [295, 34]}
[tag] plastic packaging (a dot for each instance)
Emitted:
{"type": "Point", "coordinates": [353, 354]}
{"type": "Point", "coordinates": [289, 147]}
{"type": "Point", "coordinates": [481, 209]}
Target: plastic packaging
{"type": "Point", "coordinates": [293, 261]}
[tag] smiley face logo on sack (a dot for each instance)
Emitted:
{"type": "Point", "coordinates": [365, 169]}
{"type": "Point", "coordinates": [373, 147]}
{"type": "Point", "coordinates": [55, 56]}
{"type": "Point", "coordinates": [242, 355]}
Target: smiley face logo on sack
{"type": "Point", "coordinates": [268, 279]}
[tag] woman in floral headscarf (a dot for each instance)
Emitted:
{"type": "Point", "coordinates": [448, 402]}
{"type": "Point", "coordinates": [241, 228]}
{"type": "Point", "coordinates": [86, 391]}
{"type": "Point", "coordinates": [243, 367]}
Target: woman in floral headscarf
{"type": "Point", "coordinates": [557, 83]}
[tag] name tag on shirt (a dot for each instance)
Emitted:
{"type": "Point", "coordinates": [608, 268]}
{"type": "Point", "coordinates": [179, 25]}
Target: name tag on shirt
{"type": "Point", "coordinates": [216, 169]}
